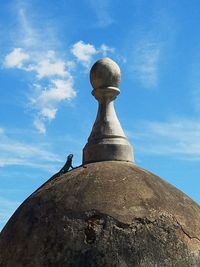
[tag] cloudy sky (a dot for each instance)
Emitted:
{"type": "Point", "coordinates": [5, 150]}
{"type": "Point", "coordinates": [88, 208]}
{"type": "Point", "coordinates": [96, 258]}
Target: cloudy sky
{"type": "Point", "coordinates": [46, 109]}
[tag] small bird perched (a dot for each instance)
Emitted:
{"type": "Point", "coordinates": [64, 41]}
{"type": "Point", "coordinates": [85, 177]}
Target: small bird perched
{"type": "Point", "coordinates": [67, 165]}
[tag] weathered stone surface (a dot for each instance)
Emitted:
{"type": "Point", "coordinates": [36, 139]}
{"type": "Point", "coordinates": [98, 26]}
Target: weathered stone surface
{"type": "Point", "coordinates": [104, 214]}
{"type": "Point", "coordinates": [104, 73]}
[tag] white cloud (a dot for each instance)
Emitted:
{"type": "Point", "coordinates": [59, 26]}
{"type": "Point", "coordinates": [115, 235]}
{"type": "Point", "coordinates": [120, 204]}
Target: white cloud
{"type": "Point", "coordinates": [16, 58]}
{"type": "Point", "coordinates": [52, 77]}
{"type": "Point", "coordinates": [46, 68]}
{"type": "Point", "coordinates": [45, 65]}
{"type": "Point", "coordinates": [177, 138]}
{"type": "Point", "coordinates": [49, 113]}
{"type": "Point", "coordinates": [58, 90]}
{"type": "Point", "coordinates": [48, 65]}
{"type": "Point", "coordinates": [46, 101]}
{"type": "Point", "coordinates": [52, 73]}
{"type": "Point", "coordinates": [145, 63]}
{"type": "Point", "coordinates": [83, 52]}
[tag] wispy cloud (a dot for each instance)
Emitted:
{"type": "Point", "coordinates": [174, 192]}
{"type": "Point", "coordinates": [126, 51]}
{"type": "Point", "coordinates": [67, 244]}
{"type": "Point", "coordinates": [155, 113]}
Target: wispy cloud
{"type": "Point", "coordinates": [145, 64]}
{"type": "Point", "coordinates": [83, 52]}
{"type": "Point", "coordinates": [39, 124]}
{"type": "Point", "coordinates": [14, 152]}
{"type": "Point", "coordinates": [105, 50]}
{"type": "Point", "coordinates": [150, 44]}
{"type": "Point", "coordinates": [51, 70]}
{"type": "Point", "coordinates": [7, 207]}
{"type": "Point", "coordinates": [47, 100]}
{"type": "Point", "coordinates": [29, 32]}
{"type": "Point", "coordinates": [58, 85]}
{"type": "Point", "coordinates": [175, 138]}
{"type": "Point", "coordinates": [102, 11]}
{"type": "Point", "coordinates": [29, 36]}
{"type": "Point", "coordinates": [53, 81]}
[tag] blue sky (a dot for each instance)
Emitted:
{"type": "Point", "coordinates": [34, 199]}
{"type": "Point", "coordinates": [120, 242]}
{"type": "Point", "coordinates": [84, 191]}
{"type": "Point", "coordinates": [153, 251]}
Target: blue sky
{"type": "Point", "coordinates": [46, 107]}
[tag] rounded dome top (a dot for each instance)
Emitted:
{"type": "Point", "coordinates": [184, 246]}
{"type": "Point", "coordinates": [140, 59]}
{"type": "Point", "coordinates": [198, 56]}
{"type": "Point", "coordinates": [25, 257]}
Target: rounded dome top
{"type": "Point", "coordinates": [105, 73]}
{"type": "Point", "coordinates": [104, 214]}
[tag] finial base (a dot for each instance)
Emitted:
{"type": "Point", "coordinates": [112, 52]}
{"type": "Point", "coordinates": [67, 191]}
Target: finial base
{"type": "Point", "coordinates": [119, 150]}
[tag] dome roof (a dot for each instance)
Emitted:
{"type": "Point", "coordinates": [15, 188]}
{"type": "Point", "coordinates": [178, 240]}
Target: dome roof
{"type": "Point", "coordinates": [104, 214]}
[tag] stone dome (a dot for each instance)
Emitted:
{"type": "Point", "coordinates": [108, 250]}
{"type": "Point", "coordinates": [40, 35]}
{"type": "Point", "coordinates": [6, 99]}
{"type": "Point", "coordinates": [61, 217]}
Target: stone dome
{"type": "Point", "coordinates": [108, 213]}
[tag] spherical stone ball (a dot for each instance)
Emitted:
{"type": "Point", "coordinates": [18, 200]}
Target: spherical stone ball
{"type": "Point", "coordinates": [104, 73]}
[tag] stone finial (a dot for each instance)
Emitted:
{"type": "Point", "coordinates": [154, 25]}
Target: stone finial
{"type": "Point", "coordinates": [107, 140]}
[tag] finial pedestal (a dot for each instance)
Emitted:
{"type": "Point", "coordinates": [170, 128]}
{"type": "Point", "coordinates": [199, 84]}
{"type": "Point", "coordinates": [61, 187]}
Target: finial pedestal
{"type": "Point", "coordinates": [107, 140]}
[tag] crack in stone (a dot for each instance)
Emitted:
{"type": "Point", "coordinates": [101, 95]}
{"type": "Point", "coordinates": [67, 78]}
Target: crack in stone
{"type": "Point", "coordinates": [183, 230]}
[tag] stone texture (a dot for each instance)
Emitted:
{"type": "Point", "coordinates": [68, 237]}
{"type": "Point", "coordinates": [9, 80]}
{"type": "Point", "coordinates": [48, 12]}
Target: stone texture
{"type": "Point", "coordinates": [105, 73]}
{"type": "Point", "coordinates": [104, 214]}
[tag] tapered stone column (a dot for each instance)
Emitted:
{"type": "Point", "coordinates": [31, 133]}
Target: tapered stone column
{"type": "Point", "coordinates": [107, 140]}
